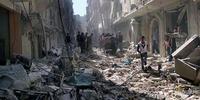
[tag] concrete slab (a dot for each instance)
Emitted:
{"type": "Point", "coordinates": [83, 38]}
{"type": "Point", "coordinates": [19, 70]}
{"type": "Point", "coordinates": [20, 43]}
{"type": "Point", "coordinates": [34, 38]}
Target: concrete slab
{"type": "Point", "coordinates": [198, 78]}
{"type": "Point", "coordinates": [15, 71]}
{"type": "Point", "coordinates": [185, 70]}
{"type": "Point", "coordinates": [195, 53]}
{"type": "Point", "coordinates": [187, 47]}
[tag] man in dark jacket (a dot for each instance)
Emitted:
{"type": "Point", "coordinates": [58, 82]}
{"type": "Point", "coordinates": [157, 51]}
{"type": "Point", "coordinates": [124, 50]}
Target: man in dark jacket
{"type": "Point", "coordinates": [78, 39]}
{"type": "Point", "coordinates": [82, 42]}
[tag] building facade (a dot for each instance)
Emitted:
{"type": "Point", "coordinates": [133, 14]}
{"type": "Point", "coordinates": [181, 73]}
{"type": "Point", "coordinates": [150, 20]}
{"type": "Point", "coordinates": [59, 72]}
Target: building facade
{"type": "Point", "coordinates": [81, 23]}
{"type": "Point", "coordinates": [99, 18]}
{"type": "Point", "coordinates": [10, 31]}
{"type": "Point", "coordinates": [30, 26]}
{"type": "Point", "coordinates": [155, 19]}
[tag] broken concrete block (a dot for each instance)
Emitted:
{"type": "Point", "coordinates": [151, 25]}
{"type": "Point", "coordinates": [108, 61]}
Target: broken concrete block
{"type": "Point", "coordinates": [195, 53]}
{"type": "Point", "coordinates": [194, 60]}
{"type": "Point", "coordinates": [20, 85]}
{"type": "Point", "coordinates": [16, 71]}
{"type": "Point", "coordinates": [185, 70]}
{"type": "Point", "coordinates": [6, 82]}
{"type": "Point", "coordinates": [183, 51]}
{"type": "Point", "coordinates": [197, 78]}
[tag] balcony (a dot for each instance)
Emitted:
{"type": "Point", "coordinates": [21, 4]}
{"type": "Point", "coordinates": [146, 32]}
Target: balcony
{"type": "Point", "coordinates": [144, 7]}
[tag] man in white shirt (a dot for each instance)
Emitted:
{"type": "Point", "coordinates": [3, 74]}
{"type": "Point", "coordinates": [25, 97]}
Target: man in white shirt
{"type": "Point", "coordinates": [142, 49]}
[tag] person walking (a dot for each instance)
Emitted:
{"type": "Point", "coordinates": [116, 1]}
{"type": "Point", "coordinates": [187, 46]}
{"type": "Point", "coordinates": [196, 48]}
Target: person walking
{"type": "Point", "coordinates": [142, 49]}
{"type": "Point", "coordinates": [82, 42]}
{"type": "Point", "coordinates": [78, 38]}
{"type": "Point", "coordinates": [89, 42]}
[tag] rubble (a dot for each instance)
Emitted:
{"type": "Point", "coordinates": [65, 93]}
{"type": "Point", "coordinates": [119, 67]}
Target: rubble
{"type": "Point", "coordinates": [187, 59]}
{"type": "Point", "coordinates": [97, 76]}
{"type": "Point", "coordinates": [157, 85]}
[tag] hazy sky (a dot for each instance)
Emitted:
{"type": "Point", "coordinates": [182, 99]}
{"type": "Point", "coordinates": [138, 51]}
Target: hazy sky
{"type": "Point", "coordinates": [80, 7]}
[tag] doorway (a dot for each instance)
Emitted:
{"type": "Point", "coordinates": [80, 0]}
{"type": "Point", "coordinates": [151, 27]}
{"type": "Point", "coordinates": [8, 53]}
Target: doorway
{"type": "Point", "coordinates": [4, 36]}
{"type": "Point", "coordinates": [155, 37]}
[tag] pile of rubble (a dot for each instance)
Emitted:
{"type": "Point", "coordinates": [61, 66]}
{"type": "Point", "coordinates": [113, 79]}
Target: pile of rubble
{"type": "Point", "coordinates": [98, 77]}
{"type": "Point", "coordinates": [125, 73]}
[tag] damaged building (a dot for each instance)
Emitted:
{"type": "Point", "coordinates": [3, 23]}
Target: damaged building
{"type": "Point", "coordinates": [156, 19]}
{"type": "Point", "coordinates": [99, 18]}
{"type": "Point", "coordinates": [33, 26]}
{"type": "Point", "coordinates": [49, 65]}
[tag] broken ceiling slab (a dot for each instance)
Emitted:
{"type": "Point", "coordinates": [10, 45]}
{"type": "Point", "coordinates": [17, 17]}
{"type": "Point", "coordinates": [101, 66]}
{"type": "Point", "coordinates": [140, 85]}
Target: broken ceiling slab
{"type": "Point", "coordinates": [187, 59]}
{"type": "Point", "coordinates": [15, 75]}
{"type": "Point", "coordinates": [194, 60]}
{"type": "Point", "coordinates": [188, 47]}
{"type": "Point", "coordinates": [195, 53]}
{"type": "Point", "coordinates": [185, 70]}
{"type": "Point", "coordinates": [16, 71]}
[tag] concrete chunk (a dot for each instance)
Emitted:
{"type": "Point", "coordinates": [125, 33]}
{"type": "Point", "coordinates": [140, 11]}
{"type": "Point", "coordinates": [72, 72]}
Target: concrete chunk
{"type": "Point", "coordinates": [185, 70]}
{"type": "Point", "coordinates": [195, 53]}
{"type": "Point", "coordinates": [198, 78]}
{"type": "Point", "coordinates": [187, 47]}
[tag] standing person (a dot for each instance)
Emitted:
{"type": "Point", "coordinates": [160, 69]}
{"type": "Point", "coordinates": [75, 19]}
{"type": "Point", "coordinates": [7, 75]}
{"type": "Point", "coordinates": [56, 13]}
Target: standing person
{"type": "Point", "coordinates": [103, 40]}
{"type": "Point", "coordinates": [78, 38]}
{"type": "Point", "coordinates": [90, 42]}
{"type": "Point", "coordinates": [68, 39]}
{"type": "Point", "coordinates": [120, 41]}
{"type": "Point", "coordinates": [68, 45]}
{"type": "Point", "coordinates": [100, 38]}
{"type": "Point", "coordinates": [168, 48]}
{"type": "Point", "coordinates": [86, 42]}
{"type": "Point", "coordinates": [173, 39]}
{"type": "Point", "coordinates": [142, 49]}
{"type": "Point", "coordinates": [82, 42]}
{"type": "Point", "coordinates": [155, 42]}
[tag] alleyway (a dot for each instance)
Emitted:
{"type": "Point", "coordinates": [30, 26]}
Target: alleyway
{"type": "Point", "coordinates": [99, 50]}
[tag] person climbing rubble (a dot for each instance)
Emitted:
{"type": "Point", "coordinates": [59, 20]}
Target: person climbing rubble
{"type": "Point", "coordinates": [142, 49]}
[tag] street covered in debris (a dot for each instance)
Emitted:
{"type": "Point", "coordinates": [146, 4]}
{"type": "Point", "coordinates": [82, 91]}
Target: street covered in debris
{"type": "Point", "coordinates": [97, 76]}
{"type": "Point", "coordinates": [99, 50]}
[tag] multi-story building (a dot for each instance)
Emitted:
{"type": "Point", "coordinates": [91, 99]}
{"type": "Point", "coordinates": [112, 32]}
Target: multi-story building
{"type": "Point", "coordinates": [29, 26]}
{"type": "Point", "coordinates": [99, 18]}
{"type": "Point", "coordinates": [81, 24]}
{"type": "Point", "coordinates": [155, 19]}
{"type": "Point", "coordinates": [10, 31]}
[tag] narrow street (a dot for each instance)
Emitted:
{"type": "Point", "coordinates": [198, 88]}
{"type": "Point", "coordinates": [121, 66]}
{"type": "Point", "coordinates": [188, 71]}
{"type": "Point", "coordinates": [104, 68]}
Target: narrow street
{"type": "Point", "coordinates": [99, 49]}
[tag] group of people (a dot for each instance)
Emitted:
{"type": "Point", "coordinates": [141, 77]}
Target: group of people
{"type": "Point", "coordinates": [115, 39]}
{"type": "Point", "coordinates": [84, 41]}
{"type": "Point", "coordinates": [142, 47]}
